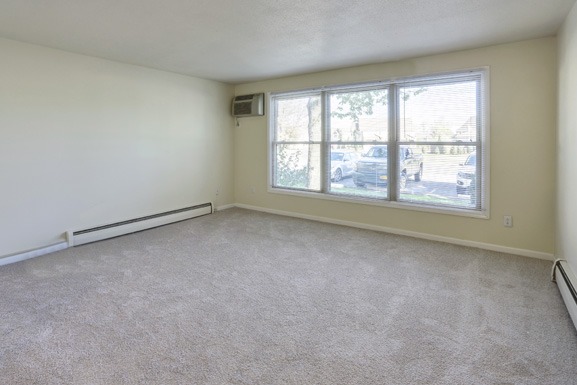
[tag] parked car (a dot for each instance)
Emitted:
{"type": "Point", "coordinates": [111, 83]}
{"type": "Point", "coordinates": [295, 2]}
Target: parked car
{"type": "Point", "coordinates": [372, 167]}
{"type": "Point", "coordinates": [466, 175]}
{"type": "Point", "coordinates": [342, 164]}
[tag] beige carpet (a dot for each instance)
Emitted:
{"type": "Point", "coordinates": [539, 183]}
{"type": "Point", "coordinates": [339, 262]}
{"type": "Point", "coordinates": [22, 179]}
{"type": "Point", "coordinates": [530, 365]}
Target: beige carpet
{"type": "Point", "coordinates": [241, 297]}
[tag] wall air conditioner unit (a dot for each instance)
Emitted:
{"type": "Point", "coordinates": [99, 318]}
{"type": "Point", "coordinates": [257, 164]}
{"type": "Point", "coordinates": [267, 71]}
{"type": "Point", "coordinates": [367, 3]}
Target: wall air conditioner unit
{"type": "Point", "coordinates": [248, 105]}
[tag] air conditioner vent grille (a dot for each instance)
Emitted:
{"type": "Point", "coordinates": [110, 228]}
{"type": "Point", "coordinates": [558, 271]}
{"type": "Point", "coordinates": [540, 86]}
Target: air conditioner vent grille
{"type": "Point", "coordinates": [243, 108]}
{"type": "Point", "coordinates": [248, 105]}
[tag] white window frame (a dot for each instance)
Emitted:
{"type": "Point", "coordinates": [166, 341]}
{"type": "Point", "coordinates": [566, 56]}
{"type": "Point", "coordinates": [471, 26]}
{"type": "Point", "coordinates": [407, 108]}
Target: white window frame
{"type": "Point", "coordinates": [482, 145]}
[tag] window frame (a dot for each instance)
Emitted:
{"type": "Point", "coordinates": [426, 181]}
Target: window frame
{"type": "Point", "coordinates": [393, 142]}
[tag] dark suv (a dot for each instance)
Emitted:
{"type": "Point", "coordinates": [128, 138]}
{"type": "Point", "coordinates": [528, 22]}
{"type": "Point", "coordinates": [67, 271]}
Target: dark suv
{"type": "Point", "coordinates": [372, 167]}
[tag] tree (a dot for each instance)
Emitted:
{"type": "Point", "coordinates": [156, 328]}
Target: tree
{"type": "Point", "coordinates": [351, 105]}
{"type": "Point", "coordinates": [354, 104]}
{"type": "Point", "coordinates": [289, 173]}
{"type": "Point", "coordinates": [313, 107]}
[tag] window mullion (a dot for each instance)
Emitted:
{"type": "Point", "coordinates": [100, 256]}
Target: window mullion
{"type": "Point", "coordinates": [392, 167]}
{"type": "Point", "coordinates": [325, 144]}
{"type": "Point", "coordinates": [273, 134]}
{"type": "Point", "coordinates": [479, 187]}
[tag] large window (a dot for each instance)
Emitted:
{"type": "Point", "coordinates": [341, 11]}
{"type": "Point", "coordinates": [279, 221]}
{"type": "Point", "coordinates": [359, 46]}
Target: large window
{"type": "Point", "coordinates": [419, 141]}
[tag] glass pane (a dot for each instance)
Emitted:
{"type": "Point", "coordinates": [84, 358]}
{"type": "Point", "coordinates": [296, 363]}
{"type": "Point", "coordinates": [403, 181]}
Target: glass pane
{"type": "Point", "coordinates": [359, 170]}
{"type": "Point", "coordinates": [298, 119]}
{"type": "Point", "coordinates": [359, 116]}
{"type": "Point", "coordinates": [298, 166]}
{"type": "Point", "coordinates": [440, 113]}
{"type": "Point", "coordinates": [439, 175]}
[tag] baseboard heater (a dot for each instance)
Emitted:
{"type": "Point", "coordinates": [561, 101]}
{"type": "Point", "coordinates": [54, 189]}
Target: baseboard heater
{"type": "Point", "coordinates": [112, 230]}
{"type": "Point", "coordinates": [567, 282]}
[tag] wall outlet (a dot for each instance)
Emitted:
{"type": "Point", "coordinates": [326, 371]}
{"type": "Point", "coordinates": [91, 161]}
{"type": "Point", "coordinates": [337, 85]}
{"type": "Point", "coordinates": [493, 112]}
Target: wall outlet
{"type": "Point", "coordinates": [508, 221]}
{"type": "Point", "coordinates": [252, 189]}
{"type": "Point", "coordinates": [217, 191]}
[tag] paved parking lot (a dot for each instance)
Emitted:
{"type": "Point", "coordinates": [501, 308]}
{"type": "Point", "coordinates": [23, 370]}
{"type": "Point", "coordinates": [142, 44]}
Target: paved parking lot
{"type": "Point", "coordinates": [438, 183]}
{"type": "Point", "coordinates": [425, 186]}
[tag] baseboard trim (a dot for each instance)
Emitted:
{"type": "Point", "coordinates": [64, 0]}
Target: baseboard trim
{"type": "Point", "coordinates": [32, 253]}
{"type": "Point", "coordinates": [414, 234]}
{"type": "Point", "coordinates": [480, 245]}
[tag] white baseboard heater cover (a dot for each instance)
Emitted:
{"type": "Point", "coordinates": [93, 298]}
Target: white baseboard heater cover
{"type": "Point", "coordinates": [112, 230]}
{"type": "Point", "coordinates": [567, 283]}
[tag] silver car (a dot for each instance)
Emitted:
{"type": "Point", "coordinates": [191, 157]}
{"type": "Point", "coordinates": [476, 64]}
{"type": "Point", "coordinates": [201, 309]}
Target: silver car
{"type": "Point", "coordinates": [342, 164]}
{"type": "Point", "coordinates": [466, 175]}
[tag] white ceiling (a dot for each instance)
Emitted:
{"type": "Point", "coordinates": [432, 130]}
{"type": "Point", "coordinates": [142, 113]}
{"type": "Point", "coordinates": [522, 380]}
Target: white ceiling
{"type": "Point", "coordinates": [245, 40]}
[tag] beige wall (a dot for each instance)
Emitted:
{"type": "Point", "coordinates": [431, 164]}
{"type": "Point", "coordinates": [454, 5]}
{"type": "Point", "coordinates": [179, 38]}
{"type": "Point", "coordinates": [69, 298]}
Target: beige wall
{"type": "Point", "coordinates": [566, 245]}
{"type": "Point", "coordinates": [522, 147]}
{"type": "Point", "coordinates": [85, 141]}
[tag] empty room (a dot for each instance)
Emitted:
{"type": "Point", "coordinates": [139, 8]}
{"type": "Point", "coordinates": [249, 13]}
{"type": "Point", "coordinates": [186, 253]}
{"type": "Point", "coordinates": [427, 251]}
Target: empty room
{"type": "Point", "coordinates": [288, 192]}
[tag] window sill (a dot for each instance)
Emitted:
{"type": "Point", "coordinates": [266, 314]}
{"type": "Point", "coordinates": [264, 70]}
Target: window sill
{"type": "Point", "coordinates": [479, 214]}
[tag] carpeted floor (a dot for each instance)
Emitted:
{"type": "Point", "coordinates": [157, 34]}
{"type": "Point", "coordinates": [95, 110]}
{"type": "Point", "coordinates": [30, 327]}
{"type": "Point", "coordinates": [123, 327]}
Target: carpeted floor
{"type": "Point", "coordinates": [242, 297]}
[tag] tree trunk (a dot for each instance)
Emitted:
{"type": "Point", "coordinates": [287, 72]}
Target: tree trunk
{"type": "Point", "coordinates": [312, 172]}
